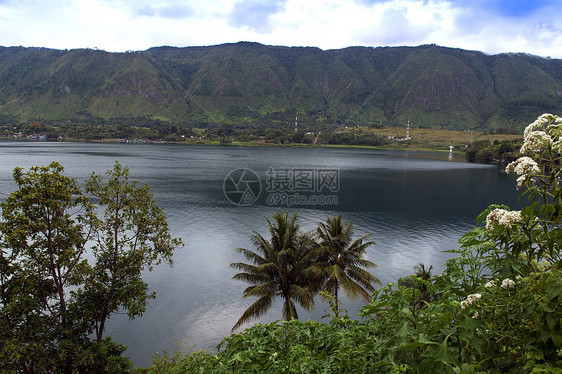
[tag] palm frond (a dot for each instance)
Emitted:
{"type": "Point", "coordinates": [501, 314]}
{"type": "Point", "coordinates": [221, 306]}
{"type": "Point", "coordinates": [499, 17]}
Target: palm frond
{"type": "Point", "coordinates": [421, 271]}
{"type": "Point", "coordinates": [248, 268]}
{"type": "Point", "coordinates": [251, 255]}
{"type": "Point", "coordinates": [365, 263]}
{"type": "Point", "coordinates": [363, 276]}
{"type": "Point", "coordinates": [256, 310]}
{"type": "Point", "coordinates": [353, 290]}
{"type": "Point", "coordinates": [267, 288]}
{"type": "Point", "coordinates": [334, 272]}
{"type": "Point", "coordinates": [302, 296]}
{"type": "Point", "coordinates": [253, 279]}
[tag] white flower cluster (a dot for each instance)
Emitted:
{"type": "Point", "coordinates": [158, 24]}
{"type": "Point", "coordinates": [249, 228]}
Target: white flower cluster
{"type": "Point", "coordinates": [524, 167]}
{"type": "Point", "coordinates": [491, 284]}
{"type": "Point", "coordinates": [508, 283]}
{"type": "Point", "coordinates": [471, 299]}
{"type": "Point", "coordinates": [502, 217]}
{"type": "Point", "coordinates": [536, 136]}
{"type": "Point", "coordinates": [539, 123]}
{"type": "Point", "coordinates": [536, 141]}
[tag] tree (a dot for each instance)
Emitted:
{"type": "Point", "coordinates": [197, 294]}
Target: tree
{"type": "Point", "coordinates": [133, 236]}
{"type": "Point", "coordinates": [420, 271]}
{"type": "Point", "coordinates": [419, 281]}
{"type": "Point", "coordinates": [281, 268]}
{"type": "Point", "coordinates": [342, 260]}
{"type": "Point", "coordinates": [45, 225]}
{"type": "Point", "coordinates": [51, 298]}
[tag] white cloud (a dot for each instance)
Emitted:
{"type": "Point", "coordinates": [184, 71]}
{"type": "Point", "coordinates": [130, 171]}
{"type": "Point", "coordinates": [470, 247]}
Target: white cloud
{"type": "Point", "coordinates": [396, 27]}
{"type": "Point", "coordinates": [116, 25]}
{"type": "Point", "coordinates": [255, 14]}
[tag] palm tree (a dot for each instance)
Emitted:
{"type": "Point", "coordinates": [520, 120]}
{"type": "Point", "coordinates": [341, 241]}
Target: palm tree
{"type": "Point", "coordinates": [421, 272]}
{"type": "Point", "coordinates": [280, 267]}
{"type": "Point", "coordinates": [342, 260]}
{"type": "Point", "coordinates": [424, 274]}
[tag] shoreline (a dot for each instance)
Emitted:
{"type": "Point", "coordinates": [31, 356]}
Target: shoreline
{"type": "Point", "coordinates": [243, 144]}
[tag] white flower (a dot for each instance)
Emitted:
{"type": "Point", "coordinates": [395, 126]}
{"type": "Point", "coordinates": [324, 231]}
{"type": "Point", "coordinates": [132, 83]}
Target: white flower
{"type": "Point", "coordinates": [545, 121]}
{"type": "Point", "coordinates": [474, 296]}
{"type": "Point", "coordinates": [508, 283]}
{"type": "Point", "coordinates": [490, 284]}
{"type": "Point", "coordinates": [538, 124]}
{"type": "Point", "coordinates": [546, 117]}
{"type": "Point", "coordinates": [536, 141]}
{"type": "Point", "coordinates": [509, 218]}
{"type": "Point", "coordinates": [502, 217]}
{"type": "Point", "coordinates": [493, 218]}
{"type": "Point", "coordinates": [476, 315]}
{"type": "Point", "coordinates": [523, 166]}
{"type": "Point", "coordinates": [521, 181]}
{"type": "Point", "coordinates": [470, 299]}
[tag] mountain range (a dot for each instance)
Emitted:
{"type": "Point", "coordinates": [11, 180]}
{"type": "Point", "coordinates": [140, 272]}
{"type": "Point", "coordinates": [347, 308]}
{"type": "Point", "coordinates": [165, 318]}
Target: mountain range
{"type": "Point", "coordinates": [250, 84]}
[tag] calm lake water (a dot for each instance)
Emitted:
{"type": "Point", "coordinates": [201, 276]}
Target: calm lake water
{"type": "Point", "coordinates": [416, 205]}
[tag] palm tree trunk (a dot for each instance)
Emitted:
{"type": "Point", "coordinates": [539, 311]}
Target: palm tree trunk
{"type": "Point", "coordinates": [290, 308]}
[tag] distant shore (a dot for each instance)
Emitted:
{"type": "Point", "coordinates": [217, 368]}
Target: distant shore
{"type": "Point", "coordinates": [396, 138]}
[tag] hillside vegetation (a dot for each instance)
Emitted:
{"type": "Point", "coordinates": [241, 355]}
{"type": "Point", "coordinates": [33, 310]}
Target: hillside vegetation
{"type": "Point", "coordinates": [249, 84]}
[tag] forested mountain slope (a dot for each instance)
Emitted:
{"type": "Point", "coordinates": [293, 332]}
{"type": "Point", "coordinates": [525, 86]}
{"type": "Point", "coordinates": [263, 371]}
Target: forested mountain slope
{"type": "Point", "coordinates": [252, 84]}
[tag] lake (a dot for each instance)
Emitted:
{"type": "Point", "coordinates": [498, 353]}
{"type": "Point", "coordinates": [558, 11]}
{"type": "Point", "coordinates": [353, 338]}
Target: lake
{"type": "Point", "coordinates": [415, 204]}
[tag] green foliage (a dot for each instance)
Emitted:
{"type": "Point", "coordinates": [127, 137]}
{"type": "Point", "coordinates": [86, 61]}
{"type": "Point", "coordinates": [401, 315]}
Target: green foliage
{"type": "Point", "coordinates": [355, 139]}
{"type": "Point", "coordinates": [51, 298]}
{"type": "Point", "coordinates": [283, 347]}
{"type": "Point", "coordinates": [499, 153]}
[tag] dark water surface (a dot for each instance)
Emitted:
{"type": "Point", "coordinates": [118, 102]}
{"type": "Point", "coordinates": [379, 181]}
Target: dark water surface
{"type": "Point", "coordinates": [417, 205]}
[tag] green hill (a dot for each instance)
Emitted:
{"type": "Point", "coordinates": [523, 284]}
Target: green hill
{"type": "Point", "coordinates": [250, 84]}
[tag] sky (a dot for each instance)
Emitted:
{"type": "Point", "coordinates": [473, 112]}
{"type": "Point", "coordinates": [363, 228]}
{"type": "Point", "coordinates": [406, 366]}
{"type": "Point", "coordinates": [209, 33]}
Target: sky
{"type": "Point", "coordinates": [490, 26]}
